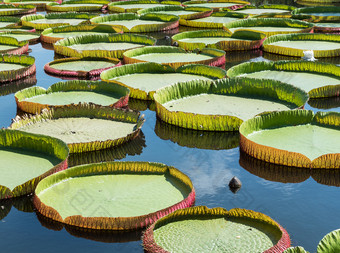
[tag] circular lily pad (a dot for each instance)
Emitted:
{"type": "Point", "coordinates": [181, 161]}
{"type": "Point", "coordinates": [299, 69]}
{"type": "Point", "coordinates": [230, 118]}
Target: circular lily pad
{"type": "Point", "coordinates": [111, 46]}
{"type": "Point", "coordinates": [294, 138]}
{"type": "Point", "coordinates": [327, 27]}
{"type": "Point", "coordinates": [318, 79]}
{"type": "Point", "coordinates": [269, 26]}
{"type": "Point", "coordinates": [174, 57]}
{"type": "Point", "coordinates": [14, 67]}
{"type": "Point", "coordinates": [17, 28]}
{"type": "Point", "coordinates": [10, 10]}
{"type": "Point", "coordinates": [143, 79]}
{"type": "Point", "coordinates": [330, 242]}
{"type": "Point", "coordinates": [217, 5]}
{"type": "Point", "coordinates": [126, 195]}
{"type": "Point", "coordinates": [80, 67]}
{"type": "Point", "coordinates": [41, 22]}
{"type": "Point", "coordinates": [322, 45]}
{"type": "Point", "coordinates": [182, 12]}
{"type": "Point", "coordinates": [40, 4]}
{"type": "Point", "coordinates": [78, 5]}
{"type": "Point", "coordinates": [10, 45]}
{"type": "Point", "coordinates": [273, 10]}
{"type": "Point", "coordinates": [26, 159]}
{"type": "Point", "coordinates": [136, 5]}
{"type": "Point", "coordinates": [328, 13]}
{"type": "Point", "coordinates": [52, 35]}
{"type": "Point", "coordinates": [131, 22]}
{"type": "Point", "coordinates": [219, 39]}
{"type": "Point", "coordinates": [8, 21]}
{"type": "Point", "coordinates": [63, 94]}
{"type": "Point", "coordinates": [200, 229]}
{"type": "Point", "coordinates": [223, 105]}
{"type": "Point", "coordinates": [20, 36]}
{"type": "Point", "coordinates": [84, 127]}
{"type": "Point", "coordinates": [214, 21]}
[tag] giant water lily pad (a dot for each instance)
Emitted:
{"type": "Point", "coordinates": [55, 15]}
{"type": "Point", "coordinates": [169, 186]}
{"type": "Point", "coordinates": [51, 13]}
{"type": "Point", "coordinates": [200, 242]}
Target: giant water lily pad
{"type": "Point", "coordinates": [126, 195]}
{"type": "Point", "coordinates": [174, 57]}
{"type": "Point", "coordinates": [10, 10]}
{"type": "Point", "coordinates": [41, 22]}
{"type": "Point", "coordinates": [84, 127]}
{"type": "Point", "coordinates": [131, 22]}
{"type": "Point", "coordinates": [200, 229]}
{"type": "Point", "coordinates": [38, 3]}
{"type": "Point", "coordinates": [26, 159]}
{"type": "Point", "coordinates": [223, 105]}
{"type": "Point", "coordinates": [269, 26]}
{"type": "Point", "coordinates": [14, 67]}
{"type": "Point", "coordinates": [10, 45]}
{"type": "Point", "coordinates": [322, 45]}
{"type": "Point", "coordinates": [327, 27]}
{"type": "Point", "coordinates": [111, 46]}
{"type": "Point", "coordinates": [20, 36]}
{"type": "Point", "coordinates": [219, 39]}
{"type": "Point", "coordinates": [217, 5]}
{"type": "Point", "coordinates": [274, 10]}
{"type": "Point", "coordinates": [143, 79]}
{"type": "Point", "coordinates": [294, 138]}
{"type": "Point", "coordinates": [80, 67]}
{"type": "Point", "coordinates": [136, 5]}
{"type": "Point", "coordinates": [52, 35]}
{"type": "Point", "coordinates": [214, 21]}
{"type": "Point", "coordinates": [330, 242]}
{"type": "Point", "coordinates": [318, 79]}
{"type": "Point", "coordinates": [8, 21]}
{"type": "Point", "coordinates": [62, 94]}
{"type": "Point", "coordinates": [78, 5]}
{"type": "Point", "coordinates": [182, 12]}
{"type": "Point", "coordinates": [328, 13]}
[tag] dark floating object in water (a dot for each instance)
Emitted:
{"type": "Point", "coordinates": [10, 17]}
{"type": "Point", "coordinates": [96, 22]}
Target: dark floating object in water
{"type": "Point", "coordinates": [235, 184]}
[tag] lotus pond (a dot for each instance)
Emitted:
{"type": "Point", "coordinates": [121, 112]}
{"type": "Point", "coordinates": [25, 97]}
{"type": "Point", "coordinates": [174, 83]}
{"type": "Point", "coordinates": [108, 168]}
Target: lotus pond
{"type": "Point", "coordinates": [305, 202]}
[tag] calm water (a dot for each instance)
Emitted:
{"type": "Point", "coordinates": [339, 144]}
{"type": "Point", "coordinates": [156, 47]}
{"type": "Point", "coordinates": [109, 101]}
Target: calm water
{"type": "Point", "coordinates": [293, 197]}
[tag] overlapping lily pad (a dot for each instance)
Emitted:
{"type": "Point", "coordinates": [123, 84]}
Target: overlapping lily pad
{"type": "Point", "coordinates": [8, 21]}
{"type": "Point", "coordinates": [217, 5]}
{"type": "Point", "coordinates": [174, 57]}
{"type": "Point", "coordinates": [322, 45]}
{"type": "Point", "coordinates": [136, 5]}
{"type": "Point", "coordinates": [26, 159]}
{"type": "Point", "coordinates": [182, 12]}
{"type": "Point", "coordinates": [80, 67]}
{"type": "Point", "coordinates": [269, 26]}
{"type": "Point", "coordinates": [133, 194]}
{"type": "Point", "coordinates": [63, 94]}
{"type": "Point", "coordinates": [10, 45]}
{"type": "Point", "coordinates": [214, 21]}
{"type": "Point", "coordinates": [84, 127]}
{"type": "Point", "coordinates": [17, 28]}
{"type": "Point", "coordinates": [31, 37]}
{"type": "Point", "coordinates": [111, 46]}
{"type": "Point", "coordinates": [224, 104]}
{"type": "Point", "coordinates": [41, 22]}
{"type": "Point", "coordinates": [10, 10]}
{"type": "Point", "coordinates": [14, 67]}
{"type": "Point", "coordinates": [143, 79]}
{"type": "Point", "coordinates": [318, 79]}
{"type": "Point", "coordinates": [294, 138]}
{"type": "Point", "coordinates": [200, 229]}
{"type": "Point", "coordinates": [328, 13]}
{"type": "Point", "coordinates": [131, 22]}
{"type": "Point", "coordinates": [327, 27]}
{"type": "Point", "coordinates": [267, 10]}
{"type": "Point", "coordinates": [38, 3]}
{"type": "Point", "coordinates": [52, 35]}
{"type": "Point", "coordinates": [78, 5]}
{"type": "Point", "coordinates": [240, 40]}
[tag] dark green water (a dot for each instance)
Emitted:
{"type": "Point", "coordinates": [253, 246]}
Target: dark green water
{"type": "Point", "coordinates": [305, 208]}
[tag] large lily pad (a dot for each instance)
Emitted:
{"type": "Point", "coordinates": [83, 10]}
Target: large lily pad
{"type": "Point", "coordinates": [136, 5]}
{"type": "Point", "coordinates": [78, 5]}
{"type": "Point", "coordinates": [199, 229]}
{"type": "Point", "coordinates": [267, 10]}
{"type": "Point", "coordinates": [143, 79]}
{"type": "Point", "coordinates": [322, 45]}
{"type": "Point", "coordinates": [269, 26]}
{"type": "Point", "coordinates": [130, 195]}
{"type": "Point", "coordinates": [219, 39]}
{"type": "Point", "coordinates": [63, 94]}
{"type": "Point", "coordinates": [214, 21]}
{"type": "Point", "coordinates": [131, 22]}
{"type": "Point", "coordinates": [40, 4]}
{"type": "Point", "coordinates": [41, 22]}
{"type": "Point", "coordinates": [84, 127]}
{"type": "Point", "coordinates": [174, 57]}
{"type": "Point", "coordinates": [8, 21]}
{"type": "Point", "coordinates": [14, 67]}
{"type": "Point", "coordinates": [318, 79]}
{"type": "Point", "coordinates": [294, 138]}
{"type": "Point", "coordinates": [80, 67]}
{"type": "Point", "coordinates": [223, 105]}
{"type": "Point", "coordinates": [26, 159]}
{"type": "Point", "coordinates": [330, 243]}
{"type": "Point", "coordinates": [327, 27]}
{"type": "Point", "coordinates": [10, 45]}
{"type": "Point", "coordinates": [20, 36]}
{"type": "Point", "coordinates": [217, 5]}
{"type": "Point", "coordinates": [319, 13]}
{"type": "Point", "coordinates": [111, 46]}
{"type": "Point", "coordinates": [52, 35]}
{"type": "Point", "coordinates": [10, 10]}
{"type": "Point", "coordinates": [182, 12]}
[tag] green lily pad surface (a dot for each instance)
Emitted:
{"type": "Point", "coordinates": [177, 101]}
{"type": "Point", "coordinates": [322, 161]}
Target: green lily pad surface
{"type": "Point", "coordinates": [129, 24]}
{"type": "Point", "coordinates": [5, 48]}
{"type": "Point", "coordinates": [4, 66]}
{"type": "Point", "coordinates": [261, 11]}
{"type": "Point", "coordinates": [71, 34]}
{"type": "Point", "coordinates": [22, 37]}
{"type": "Point", "coordinates": [209, 40]}
{"type": "Point", "coordinates": [66, 6]}
{"type": "Point", "coordinates": [105, 46]}
{"type": "Point", "coordinates": [129, 7]}
{"type": "Point", "coordinates": [83, 65]}
{"type": "Point", "coordinates": [213, 5]}
{"type": "Point", "coordinates": [327, 24]}
{"type": "Point", "coordinates": [4, 24]}
{"type": "Point", "coordinates": [268, 29]}
{"type": "Point", "coordinates": [212, 19]}
{"type": "Point", "coordinates": [173, 57]}
{"type": "Point", "coordinates": [308, 45]}
{"type": "Point", "coordinates": [69, 21]}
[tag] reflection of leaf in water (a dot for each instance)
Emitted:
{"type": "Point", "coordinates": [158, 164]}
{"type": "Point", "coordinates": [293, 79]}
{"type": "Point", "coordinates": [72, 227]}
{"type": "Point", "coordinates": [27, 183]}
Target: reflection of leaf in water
{"type": "Point", "coordinates": [5, 208]}
{"type": "Point", "coordinates": [197, 139]}
{"type": "Point", "coordinates": [325, 103]}
{"type": "Point", "coordinates": [141, 105]}
{"type": "Point", "coordinates": [23, 204]}
{"type": "Point", "coordinates": [12, 87]}
{"type": "Point", "coordinates": [49, 223]}
{"type": "Point", "coordinates": [326, 176]}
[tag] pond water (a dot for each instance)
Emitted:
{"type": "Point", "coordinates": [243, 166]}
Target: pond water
{"type": "Point", "coordinates": [293, 197]}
